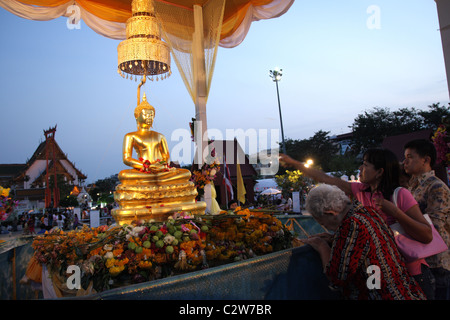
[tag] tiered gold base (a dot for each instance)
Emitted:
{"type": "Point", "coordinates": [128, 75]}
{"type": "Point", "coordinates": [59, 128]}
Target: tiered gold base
{"type": "Point", "coordinates": [154, 201]}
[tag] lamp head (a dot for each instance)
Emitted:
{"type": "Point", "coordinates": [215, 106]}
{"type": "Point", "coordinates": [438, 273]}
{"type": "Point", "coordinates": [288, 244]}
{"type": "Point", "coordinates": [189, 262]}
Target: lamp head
{"type": "Point", "coordinates": [276, 74]}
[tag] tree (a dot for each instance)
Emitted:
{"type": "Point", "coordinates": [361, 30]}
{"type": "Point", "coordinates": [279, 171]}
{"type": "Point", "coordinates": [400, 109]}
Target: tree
{"type": "Point", "coordinates": [103, 187]}
{"type": "Point", "coordinates": [292, 181]}
{"type": "Point", "coordinates": [344, 165]}
{"type": "Point", "coordinates": [69, 201]}
{"type": "Point", "coordinates": [64, 188]}
{"type": "Point", "coordinates": [372, 127]}
{"type": "Point", "coordinates": [435, 116]}
{"type": "Point", "coordinates": [319, 148]}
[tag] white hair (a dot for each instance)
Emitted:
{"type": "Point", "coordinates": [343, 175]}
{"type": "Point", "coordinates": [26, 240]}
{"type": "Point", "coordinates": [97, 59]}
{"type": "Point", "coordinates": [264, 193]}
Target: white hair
{"type": "Point", "coordinates": [325, 197]}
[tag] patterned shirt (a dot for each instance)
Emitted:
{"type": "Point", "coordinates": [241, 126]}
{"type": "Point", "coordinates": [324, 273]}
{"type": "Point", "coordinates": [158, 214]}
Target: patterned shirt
{"type": "Point", "coordinates": [362, 240]}
{"type": "Point", "coordinates": [433, 196]}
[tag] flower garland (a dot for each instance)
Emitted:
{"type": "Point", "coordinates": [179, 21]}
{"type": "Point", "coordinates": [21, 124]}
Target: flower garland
{"type": "Point", "coordinates": [7, 204]}
{"type": "Point", "coordinates": [147, 166]}
{"type": "Point", "coordinates": [441, 140]}
{"type": "Point", "coordinates": [146, 251]}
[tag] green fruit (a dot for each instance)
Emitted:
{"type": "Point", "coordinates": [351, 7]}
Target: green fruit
{"type": "Point", "coordinates": [178, 234]}
{"type": "Point", "coordinates": [171, 229]}
{"type": "Point", "coordinates": [193, 230]}
{"type": "Point", "coordinates": [138, 250]}
{"type": "Point", "coordinates": [131, 245]}
{"type": "Point", "coordinates": [159, 233]}
{"type": "Point", "coordinates": [153, 228]}
{"type": "Point", "coordinates": [159, 244]}
{"type": "Point", "coordinates": [147, 244]}
{"type": "Point", "coordinates": [169, 249]}
{"type": "Point", "coordinates": [175, 242]}
{"type": "Point", "coordinates": [204, 228]}
{"type": "Point", "coordinates": [186, 239]}
{"type": "Point", "coordinates": [155, 238]}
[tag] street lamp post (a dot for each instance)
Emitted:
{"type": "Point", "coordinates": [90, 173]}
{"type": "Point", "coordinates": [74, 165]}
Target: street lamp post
{"type": "Point", "coordinates": [276, 76]}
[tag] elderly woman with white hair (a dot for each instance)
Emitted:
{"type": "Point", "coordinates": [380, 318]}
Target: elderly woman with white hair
{"type": "Point", "coordinates": [361, 257]}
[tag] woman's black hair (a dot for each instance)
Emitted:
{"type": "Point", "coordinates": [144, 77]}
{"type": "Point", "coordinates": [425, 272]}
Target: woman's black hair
{"type": "Point", "coordinates": [386, 159]}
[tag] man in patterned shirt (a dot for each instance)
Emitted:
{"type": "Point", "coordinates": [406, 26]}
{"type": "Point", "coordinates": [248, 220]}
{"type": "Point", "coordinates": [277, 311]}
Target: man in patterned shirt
{"type": "Point", "coordinates": [433, 196]}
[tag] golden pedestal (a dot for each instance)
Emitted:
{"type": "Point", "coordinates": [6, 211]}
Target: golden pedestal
{"type": "Point", "coordinates": [154, 201]}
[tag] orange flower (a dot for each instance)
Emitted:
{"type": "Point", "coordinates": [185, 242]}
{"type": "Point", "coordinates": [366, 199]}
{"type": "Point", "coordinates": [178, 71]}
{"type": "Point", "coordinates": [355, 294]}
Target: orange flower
{"type": "Point", "coordinates": [145, 264]}
{"type": "Point", "coordinates": [117, 252]}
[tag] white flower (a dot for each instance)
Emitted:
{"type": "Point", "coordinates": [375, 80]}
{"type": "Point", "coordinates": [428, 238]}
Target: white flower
{"type": "Point", "coordinates": [108, 247]}
{"type": "Point", "coordinates": [136, 230]}
{"type": "Point", "coordinates": [88, 267]}
{"type": "Point", "coordinates": [109, 255]}
{"type": "Point", "coordinates": [168, 239]}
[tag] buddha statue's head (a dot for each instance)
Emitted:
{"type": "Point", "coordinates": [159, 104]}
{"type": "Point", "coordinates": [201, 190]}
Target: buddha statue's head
{"type": "Point", "coordinates": [144, 114]}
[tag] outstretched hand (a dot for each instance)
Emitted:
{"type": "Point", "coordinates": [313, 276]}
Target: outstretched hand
{"type": "Point", "coordinates": [287, 161]}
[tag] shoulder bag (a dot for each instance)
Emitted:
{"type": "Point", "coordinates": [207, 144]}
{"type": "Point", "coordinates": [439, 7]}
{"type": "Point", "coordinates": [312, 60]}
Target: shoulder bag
{"type": "Point", "coordinates": [412, 249]}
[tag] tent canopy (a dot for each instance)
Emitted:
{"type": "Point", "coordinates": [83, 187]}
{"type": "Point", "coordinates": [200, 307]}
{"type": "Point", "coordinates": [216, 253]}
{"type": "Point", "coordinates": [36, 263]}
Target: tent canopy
{"type": "Point", "coordinates": [108, 17]}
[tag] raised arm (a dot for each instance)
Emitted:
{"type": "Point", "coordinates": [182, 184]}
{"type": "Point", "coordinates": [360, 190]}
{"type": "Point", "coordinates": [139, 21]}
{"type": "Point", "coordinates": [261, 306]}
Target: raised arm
{"type": "Point", "coordinates": [316, 175]}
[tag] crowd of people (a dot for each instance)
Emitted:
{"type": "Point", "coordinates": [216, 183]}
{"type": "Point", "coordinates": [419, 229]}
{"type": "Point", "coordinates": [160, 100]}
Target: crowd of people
{"type": "Point", "coordinates": [64, 219]}
{"type": "Point", "coordinates": [359, 215]}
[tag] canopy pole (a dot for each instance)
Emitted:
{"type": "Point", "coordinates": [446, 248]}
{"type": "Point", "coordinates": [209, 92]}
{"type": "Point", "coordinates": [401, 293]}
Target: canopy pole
{"type": "Point", "coordinates": [443, 9]}
{"type": "Point", "coordinates": [200, 92]}
{"type": "Point", "coordinates": [199, 70]}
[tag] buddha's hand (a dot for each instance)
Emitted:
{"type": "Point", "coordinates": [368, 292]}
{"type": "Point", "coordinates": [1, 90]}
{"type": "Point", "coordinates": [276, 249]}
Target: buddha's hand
{"type": "Point", "coordinates": [153, 167]}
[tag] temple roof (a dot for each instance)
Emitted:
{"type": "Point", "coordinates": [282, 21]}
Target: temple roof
{"type": "Point", "coordinates": [18, 171]}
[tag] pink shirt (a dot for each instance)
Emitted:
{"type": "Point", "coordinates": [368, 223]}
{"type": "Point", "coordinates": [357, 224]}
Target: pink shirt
{"type": "Point", "coordinates": [405, 201]}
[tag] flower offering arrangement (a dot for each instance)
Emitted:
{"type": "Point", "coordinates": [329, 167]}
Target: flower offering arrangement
{"type": "Point", "coordinates": [208, 171]}
{"type": "Point", "coordinates": [7, 204]}
{"type": "Point", "coordinates": [145, 251]}
{"type": "Point", "coordinates": [441, 140]}
{"type": "Point", "coordinates": [148, 167]}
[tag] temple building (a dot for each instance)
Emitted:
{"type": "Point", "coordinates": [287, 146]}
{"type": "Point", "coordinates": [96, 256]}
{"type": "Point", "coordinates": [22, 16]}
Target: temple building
{"type": "Point", "coordinates": [29, 182]}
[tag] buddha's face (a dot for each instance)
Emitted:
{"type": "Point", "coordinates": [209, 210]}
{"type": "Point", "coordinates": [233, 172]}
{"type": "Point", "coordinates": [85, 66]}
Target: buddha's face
{"type": "Point", "coordinates": [145, 119]}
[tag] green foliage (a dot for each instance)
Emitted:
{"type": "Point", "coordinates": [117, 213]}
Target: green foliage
{"type": "Point", "coordinates": [69, 201]}
{"type": "Point", "coordinates": [292, 181]}
{"type": "Point", "coordinates": [103, 188]}
{"type": "Point", "coordinates": [371, 127]}
{"type": "Point", "coordinates": [319, 148]}
{"type": "Point", "coordinates": [344, 164]}
{"type": "Point", "coordinates": [64, 188]}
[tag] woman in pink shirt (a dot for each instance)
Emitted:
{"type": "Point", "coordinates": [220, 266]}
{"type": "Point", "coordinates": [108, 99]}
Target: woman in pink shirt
{"type": "Point", "coordinates": [379, 177]}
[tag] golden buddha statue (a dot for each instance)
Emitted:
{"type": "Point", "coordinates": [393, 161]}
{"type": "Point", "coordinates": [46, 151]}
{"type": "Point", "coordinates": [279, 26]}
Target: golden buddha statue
{"type": "Point", "coordinates": [151, 189]}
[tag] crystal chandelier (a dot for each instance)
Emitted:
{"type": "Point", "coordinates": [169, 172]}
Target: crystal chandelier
{"type": "Point", "coordinates": [143, 53]}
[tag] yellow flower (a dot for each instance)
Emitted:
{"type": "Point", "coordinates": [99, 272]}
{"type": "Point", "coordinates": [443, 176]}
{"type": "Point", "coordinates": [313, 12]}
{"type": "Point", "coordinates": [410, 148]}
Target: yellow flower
{"type": "Point", "coordinates": [114, 271]}
{"type": "Point", "coordinates": [4, 191]}
{"type": "Point", "coordinates": [110, 263]}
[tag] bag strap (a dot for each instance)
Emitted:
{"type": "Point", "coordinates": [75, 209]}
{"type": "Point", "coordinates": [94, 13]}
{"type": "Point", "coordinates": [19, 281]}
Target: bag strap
{"type": "Point", "coordinates": [395, 195]}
